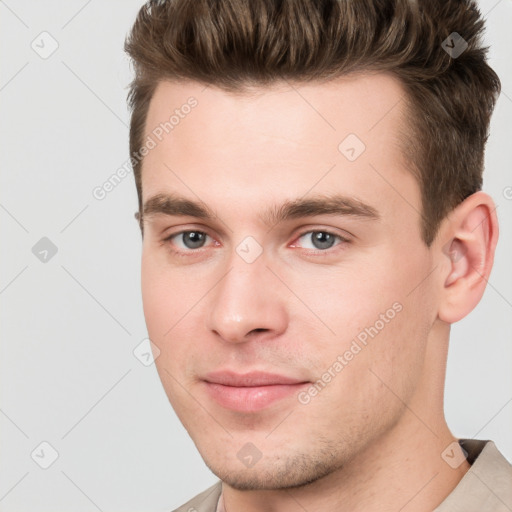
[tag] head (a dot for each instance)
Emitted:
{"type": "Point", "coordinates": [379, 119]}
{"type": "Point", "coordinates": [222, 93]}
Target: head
{"type": "Point", "coordinates": [309, 178]}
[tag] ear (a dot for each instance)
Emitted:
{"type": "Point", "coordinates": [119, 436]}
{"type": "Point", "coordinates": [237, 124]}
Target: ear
{"type": "Point", "coordinates": [466, 244]}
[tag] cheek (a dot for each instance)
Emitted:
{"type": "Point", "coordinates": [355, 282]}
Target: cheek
{"type": "Point", "coordinates": [162, 298]}
{"type": "Point", "coordinates": [347, 300]}
{"type": "Point", "coordinates": [171, 302]}
{"type": "Point", "coordinates": [156, 301]}
{"type": "Point", "coordinates": [378, 312]}
{"type": "Point", "coordinates": [161, 304]}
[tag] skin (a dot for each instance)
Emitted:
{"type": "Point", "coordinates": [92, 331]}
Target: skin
{"type": "Point", "coordinates": [372, 438]}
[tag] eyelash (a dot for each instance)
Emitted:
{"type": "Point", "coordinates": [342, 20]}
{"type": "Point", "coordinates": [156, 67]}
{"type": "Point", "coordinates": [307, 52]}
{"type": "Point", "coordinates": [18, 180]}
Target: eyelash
{"type": "Point", "coordinates": [190, 252]}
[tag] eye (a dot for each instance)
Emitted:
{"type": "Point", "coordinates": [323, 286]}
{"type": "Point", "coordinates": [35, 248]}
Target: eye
{"type": "Point", "coordinates": [320, 240]}
{"type": "Point", "coordinates": [188, 240]}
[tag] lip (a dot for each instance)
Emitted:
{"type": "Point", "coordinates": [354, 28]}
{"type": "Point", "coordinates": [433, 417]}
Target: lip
{"type": "Point", "coordinates": [250, 392]}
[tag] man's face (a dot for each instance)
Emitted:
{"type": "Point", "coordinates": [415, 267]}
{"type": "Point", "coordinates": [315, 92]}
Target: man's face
{"type": "Point", "coordinates": [285, 340]}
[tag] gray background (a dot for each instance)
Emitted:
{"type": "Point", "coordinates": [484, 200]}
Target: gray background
{"type": "Point", "coordinates": [70, 324]}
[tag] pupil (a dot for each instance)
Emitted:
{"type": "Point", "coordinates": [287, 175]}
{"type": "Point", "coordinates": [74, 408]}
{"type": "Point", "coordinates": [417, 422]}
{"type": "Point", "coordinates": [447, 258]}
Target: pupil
{"type": "Point", "coordinates": [193, 239]}
{"type": "Point", "coordinates": [322, 240]}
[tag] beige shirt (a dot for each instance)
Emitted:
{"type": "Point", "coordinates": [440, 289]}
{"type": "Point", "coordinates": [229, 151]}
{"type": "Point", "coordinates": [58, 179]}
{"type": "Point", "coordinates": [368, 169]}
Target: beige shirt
{"type": "Point", "coordinates": [486, 487]}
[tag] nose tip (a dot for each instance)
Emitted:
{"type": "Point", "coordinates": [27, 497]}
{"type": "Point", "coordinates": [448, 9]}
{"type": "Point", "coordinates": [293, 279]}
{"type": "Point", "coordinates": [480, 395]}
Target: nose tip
{"type": "Point", "coordinates": [246, 305]}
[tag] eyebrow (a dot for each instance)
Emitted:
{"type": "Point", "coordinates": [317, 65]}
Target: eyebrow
{"type": "Point", "coordinates": [176, 205]}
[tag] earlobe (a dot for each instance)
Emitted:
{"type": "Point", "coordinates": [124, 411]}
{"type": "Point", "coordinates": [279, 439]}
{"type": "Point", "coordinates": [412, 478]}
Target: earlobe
{"type": "Point", "coordinates": [470, 239]}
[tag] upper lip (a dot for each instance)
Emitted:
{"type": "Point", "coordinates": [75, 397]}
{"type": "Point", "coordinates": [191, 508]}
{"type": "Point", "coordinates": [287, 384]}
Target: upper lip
{"type": "Point", "coordinates": [249, 379]}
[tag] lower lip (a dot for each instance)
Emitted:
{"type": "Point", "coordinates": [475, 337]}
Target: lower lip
{"type": "Point", "coordinates": [253, 398]}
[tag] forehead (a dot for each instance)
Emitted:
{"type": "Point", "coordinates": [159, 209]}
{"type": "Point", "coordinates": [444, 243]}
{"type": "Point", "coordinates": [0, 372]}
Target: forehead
{"type": "Point", "coordinates": [358, 103]}
{"type": "Point", "coordinates": [283, 139]}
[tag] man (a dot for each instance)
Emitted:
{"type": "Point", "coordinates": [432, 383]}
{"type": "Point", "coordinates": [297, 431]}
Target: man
{"type": "Point", "coordinates": [309, 178]}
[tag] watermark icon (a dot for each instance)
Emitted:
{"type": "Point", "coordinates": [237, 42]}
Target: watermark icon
{"type": "Point", "coordinates": [454, 455]}
{"type": "Point", "coordinates": [146, 352]}
{"type": "Point", "coordinates": [454, 250]}
{"type": "Point", "coordinates": [351, 147]}
{"type": "Point", "coordinates": [44, 250]}
{"type": "Point", "coordinates": [44, 455]}
{"type": "Point", "coordinates": [249, 249]}
{"type": "Point", "coordinates": [357, 345]}
{"type": "Point", "coordinates": [249, 455]}
{"type": "Point", "coordinates": [507, 193]}
{"type": "Point", "coordinates": [454, 45]}
{"type": "Point", "coordinates": [45, 45]}
{"type": "Point", "coordinates": [157, 134]}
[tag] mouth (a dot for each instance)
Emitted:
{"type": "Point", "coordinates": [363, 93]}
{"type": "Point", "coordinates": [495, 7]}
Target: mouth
{"type": "Point", "coordinates": [250, 392]}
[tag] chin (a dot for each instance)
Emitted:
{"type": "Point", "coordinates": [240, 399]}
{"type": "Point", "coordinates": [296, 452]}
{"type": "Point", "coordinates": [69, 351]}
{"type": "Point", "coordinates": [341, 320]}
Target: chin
{"type": "Point", "coordinates": [269, 474]}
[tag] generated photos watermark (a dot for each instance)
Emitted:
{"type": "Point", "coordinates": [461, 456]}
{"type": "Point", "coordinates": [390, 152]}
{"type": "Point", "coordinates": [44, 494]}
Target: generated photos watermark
{"type": "Point", "coordinates": [358, 343]}
{"type": "Point", "coordinates": [157, 134]}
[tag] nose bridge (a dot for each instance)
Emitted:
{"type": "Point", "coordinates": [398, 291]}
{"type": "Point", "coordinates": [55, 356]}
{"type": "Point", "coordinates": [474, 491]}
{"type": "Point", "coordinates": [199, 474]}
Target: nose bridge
{"type": "Point", "coordinates": [245, 300]}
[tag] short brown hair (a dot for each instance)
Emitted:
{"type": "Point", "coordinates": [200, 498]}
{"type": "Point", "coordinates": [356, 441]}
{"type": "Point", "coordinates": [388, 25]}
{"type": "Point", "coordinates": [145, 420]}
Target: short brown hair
{"type": "Point", "coordinates": [236, 44]}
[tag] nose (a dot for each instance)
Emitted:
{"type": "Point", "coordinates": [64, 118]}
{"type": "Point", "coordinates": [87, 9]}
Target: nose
{"type": "Point", "coordinates": [247, 301]}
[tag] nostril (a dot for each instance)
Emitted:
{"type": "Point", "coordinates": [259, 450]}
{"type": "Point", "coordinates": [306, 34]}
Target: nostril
{"type": "Point", "coordinates": [259, 329]}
